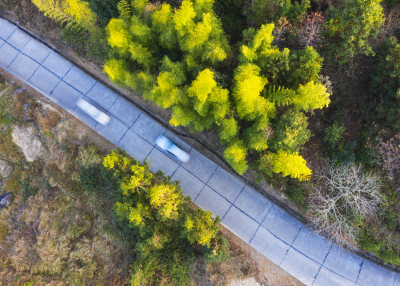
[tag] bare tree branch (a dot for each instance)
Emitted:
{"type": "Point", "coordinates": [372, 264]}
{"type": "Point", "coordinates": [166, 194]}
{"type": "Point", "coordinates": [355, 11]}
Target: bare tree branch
{"type": "Point", "coordinates": [343, 195]}
{"type": "Point", "coordinates": [309, 32]}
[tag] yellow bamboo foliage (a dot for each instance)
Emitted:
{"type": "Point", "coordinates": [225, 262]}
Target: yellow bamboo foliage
{"type": "Point", "coordinates": [214, 52]}
{"type": "Point", "coordinates": [140, 54]}
{"type": "Point", "coordinates": [203, 85]}
{"type": "Point", "coordinates": [183, 18]}
{"type": "Point", "coordinates": [228, 129]}
{"type": "Point", "coordinates": [261, 46]}
{"type": "Point", "coordinates": [311, 96]}
{"type": "Point", "coordinates": [263, 38]}
{"type": "Point", "coordinates": [82, 13]}
{"type": "Point", "coordinates": [162, 23]}
{"type": "Point", "coordinates": [200, 34]}
{"type": "Point", "coordinates": [236, 154]}
{"type": "Point", "coordinates": [288, 164]}
{"type": "Point", "coordinates": [209, 98]}
{"type": "Point", "coordinates": [74, 13]}
{"type": "Point", "coordinates": [182, 116]}
{"type": "Point", "coordinates": [115, 70]}
{"type": "Point", "coordinates": [168, 91]}
{"type": "Point", "coordinates": [247, 90]}
{"type": "Point", "coordinates": [203, 6]}
{"type": "Point", "coordinates": [118, 35]}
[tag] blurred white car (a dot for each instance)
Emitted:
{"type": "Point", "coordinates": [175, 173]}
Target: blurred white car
{"type": "Point", "coordinates": [168, 146]}
{"type": "Point", "coordinates": [93, 111]}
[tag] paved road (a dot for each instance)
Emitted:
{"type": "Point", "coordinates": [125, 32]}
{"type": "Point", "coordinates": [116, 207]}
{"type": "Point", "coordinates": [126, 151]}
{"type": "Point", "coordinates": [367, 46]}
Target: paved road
{"type": "Point", "coordinates": [301, 252]}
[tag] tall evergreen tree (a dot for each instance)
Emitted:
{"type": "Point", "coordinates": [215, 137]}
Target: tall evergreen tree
{"type": "Point", "coordinates": [350, 27]}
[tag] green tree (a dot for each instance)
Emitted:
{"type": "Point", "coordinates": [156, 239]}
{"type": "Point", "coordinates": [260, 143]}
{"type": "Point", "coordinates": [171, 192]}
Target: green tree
{"type": "Point", "coordinates": [312, 95]}
{"type": "Point", "coordinates": [203, 104]}
{"type": "Point", "coordinates": [350, 27]}
{"type": "Point", "coordinates": [385, 82]}
{"type": "Point", "coordinates": [333, 136]}
{"type": "Point", "coordinates": [257, 48]}
{"type": "Point", "coordinates": [180, 47]}
{"type": "Point", "coordinates": [264, 11]}
{"type": "Point", "coordinates": [290, 132]}
{"type": "Point", "coordinates": [173, 58]}
{"type": "Point", "coordinates": [170, 233]}
{"type": "Point", "coordinates": [228, 129]}
{"type": "Point", "coordinates": [168, 91]}
{"type": "Point", "coordinates": [266, 83]}
{"type": "Point", "coordinates": [304, 66]}
{"type": "Point", "coordinates": [209, 99]}
{"type": "Point", "coordinates": [235, 154]}
{"type": "Point", "coordinates": [163, 26]}
{"type": "Point", "coordinates": [247, 92]}
{"type": "Point", "coordinates": [201, 228]}
{"type": "Point", "coordinates": [105, 9]}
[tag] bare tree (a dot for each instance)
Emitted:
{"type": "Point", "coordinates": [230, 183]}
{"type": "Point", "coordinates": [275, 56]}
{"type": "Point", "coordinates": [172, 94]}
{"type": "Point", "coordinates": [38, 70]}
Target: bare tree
{"type": "Point", "coordinates": [391, 24]}
{"type": "Point", "coordinates": [389, 152]}
{"type": "Point", "coordinates": [280, 30]}
{"type": "Point", "coordinates": [343, 194]}
{"type": "Point", "coordinates": [309, 32]}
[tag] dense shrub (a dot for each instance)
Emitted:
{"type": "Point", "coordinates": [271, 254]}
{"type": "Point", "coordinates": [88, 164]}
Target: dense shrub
{"type": "Point", "coordinates": [233, 18]}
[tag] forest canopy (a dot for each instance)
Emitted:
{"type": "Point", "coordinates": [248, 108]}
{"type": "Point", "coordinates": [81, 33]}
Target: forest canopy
{"type": "Point", "coordinates": [180, 59]}
{"type": "Point", "coordinates": [279, 82]}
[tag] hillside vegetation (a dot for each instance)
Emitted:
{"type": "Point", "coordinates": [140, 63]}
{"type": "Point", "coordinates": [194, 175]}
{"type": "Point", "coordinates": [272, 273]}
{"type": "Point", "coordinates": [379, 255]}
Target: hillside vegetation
{"type": "Point", "coordinates": [303, 93]}
{"type": "Point", "coordinates": [83, 214]}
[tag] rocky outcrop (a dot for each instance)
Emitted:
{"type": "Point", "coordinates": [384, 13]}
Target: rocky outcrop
{"type": "Point", "coordinates": [6, 168]}
{"type": "Point", "coordinates": [5, 200]}
{"type": "Point", "coordinates": [25, 138]}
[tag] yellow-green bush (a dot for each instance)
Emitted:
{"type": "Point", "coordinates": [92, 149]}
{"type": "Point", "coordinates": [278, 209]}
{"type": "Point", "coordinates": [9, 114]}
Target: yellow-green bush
{"type": "Point", "coordinates": [170, 233]}
{"type": "Point", "coordinates": [73, 13]}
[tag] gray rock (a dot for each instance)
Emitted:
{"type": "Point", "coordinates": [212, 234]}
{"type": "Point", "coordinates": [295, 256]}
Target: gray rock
{"type": "Point", "coordinates": [5, 200]}
{"type": "Point", "coordinates": [25, 138]}
{"type": "Point", "coordinates": [5, 169]}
